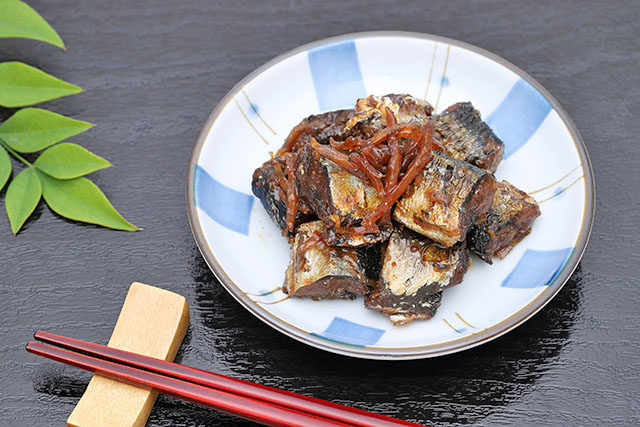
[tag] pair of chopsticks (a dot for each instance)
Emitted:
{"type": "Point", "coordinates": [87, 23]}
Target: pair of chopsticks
{"type": "Point", "coordinates": [255, 402]}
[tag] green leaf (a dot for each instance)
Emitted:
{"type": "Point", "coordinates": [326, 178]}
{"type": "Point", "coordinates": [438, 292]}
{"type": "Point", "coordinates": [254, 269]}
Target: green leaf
{"type": "Point", "coordinates": [22, 198]}
{"type": "Point", "coordinates": [22, 84]}
{"type": "Point", "coordinates": [19, 20]}
{"type": "Point", "coordinates": [81, 200]}
{"type": "Point", "coordinates": [33, 129]}
{"type": "Point", "coordinates": [67, 161]}
{"type": "Point", "coordinates": [5, 167]}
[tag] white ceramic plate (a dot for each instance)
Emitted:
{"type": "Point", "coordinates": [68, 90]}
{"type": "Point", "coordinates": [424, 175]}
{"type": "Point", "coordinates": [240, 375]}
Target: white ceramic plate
{"type": "Point", "coordinates": [544, 156]}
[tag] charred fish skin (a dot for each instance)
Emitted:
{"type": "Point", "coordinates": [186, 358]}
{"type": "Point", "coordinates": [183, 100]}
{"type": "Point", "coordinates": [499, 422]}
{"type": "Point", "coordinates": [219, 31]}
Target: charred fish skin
{"type": "Point", "coordinates": [401, 310]}
{"type": "Point", "coordinates": [446, 199]}
{"type": "Point", "coordinates": [507, 222]}
{"type": "Point", "coordinates": [413, 262]}
{"type": "Point", "coordinates": [264, 186]}
{"type": "Point", "coordinates": [370, 114]}
{"type": "Point", "coordinates": [338, 197]}
{"type": "Point", "coordinates": [465, 136]}
{"type": "Point", "coordinates": [320, 271]}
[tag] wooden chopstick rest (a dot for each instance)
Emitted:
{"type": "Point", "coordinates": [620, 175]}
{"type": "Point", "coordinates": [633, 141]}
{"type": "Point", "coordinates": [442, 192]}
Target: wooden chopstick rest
{"type": "Point", "coordinates": [152, 322]}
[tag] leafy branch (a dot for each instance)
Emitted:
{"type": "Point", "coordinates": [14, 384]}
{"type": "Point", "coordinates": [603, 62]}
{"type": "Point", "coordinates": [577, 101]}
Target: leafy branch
{"type": "Point", "coordinates": [57, 174]}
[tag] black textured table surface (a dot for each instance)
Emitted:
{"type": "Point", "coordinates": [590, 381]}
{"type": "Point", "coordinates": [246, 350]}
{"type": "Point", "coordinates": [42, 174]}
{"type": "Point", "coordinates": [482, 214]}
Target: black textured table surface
{"type": "Point", "coordinates": [153, 71]}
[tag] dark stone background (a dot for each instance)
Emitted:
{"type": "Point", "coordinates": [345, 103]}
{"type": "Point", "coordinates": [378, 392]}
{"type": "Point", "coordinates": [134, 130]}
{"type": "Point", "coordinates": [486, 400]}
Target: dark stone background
{"type": "Point", "coordinates": [154, 70]}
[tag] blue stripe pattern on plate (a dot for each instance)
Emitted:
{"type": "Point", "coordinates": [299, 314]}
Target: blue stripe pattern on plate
{"type": "Point", "coordinates": [537, 268]}
{"type": "Point", "coordinates": [224, 205]}
{"type": "Point", "coordinates": [336, 75]}
{"type": "Point", "coordinates": [346, 332]}
{"type": "Point", "coordinates": [518, 116]}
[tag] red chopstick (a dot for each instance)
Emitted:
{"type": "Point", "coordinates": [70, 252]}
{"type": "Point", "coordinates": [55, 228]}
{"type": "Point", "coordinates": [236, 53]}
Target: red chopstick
{"type": "Point", "coordinates": [260, 403]}
{"type": "Point", "coordinates": [271, 415]}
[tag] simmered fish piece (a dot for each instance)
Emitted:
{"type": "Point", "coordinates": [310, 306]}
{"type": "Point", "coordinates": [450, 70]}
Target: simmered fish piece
{"type": "Point", "coordinates": [414, 271]}
{"type": "Point", "coordinates": [446, 199]}
{"type": "Point", "coordinates": [507, 222]}
{"type": "Point", "coordinates": [264, 186]}
{"type": "Point", "coordinates": [412, 262]}
{"type": "Point", "coordinates": [320, 271]}
{"type": "Point", "coordinates": [370, 115]}
{"type": "Point", "coordinates": [466, 137]}
{"type": "Point", "coordinates": [338, 197]}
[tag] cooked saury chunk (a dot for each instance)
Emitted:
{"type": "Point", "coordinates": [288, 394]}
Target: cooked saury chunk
{"type": "Point", "coordinates": [413, 262]}
{"type": "Point", "coordinates": [338, 197]}
{"type": "Point", "coordinates": [507, 222]}
{"type": "Point", "coordinates": [446, 199]}
{"type": "Point", "coordinates": [320, 271]}
{"type": "Point", "coordinates": [466, 137]}
{"type": "Point", "coordinates": [415, 268]}
{"type": "Point", "coordinates": [264, 186]}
